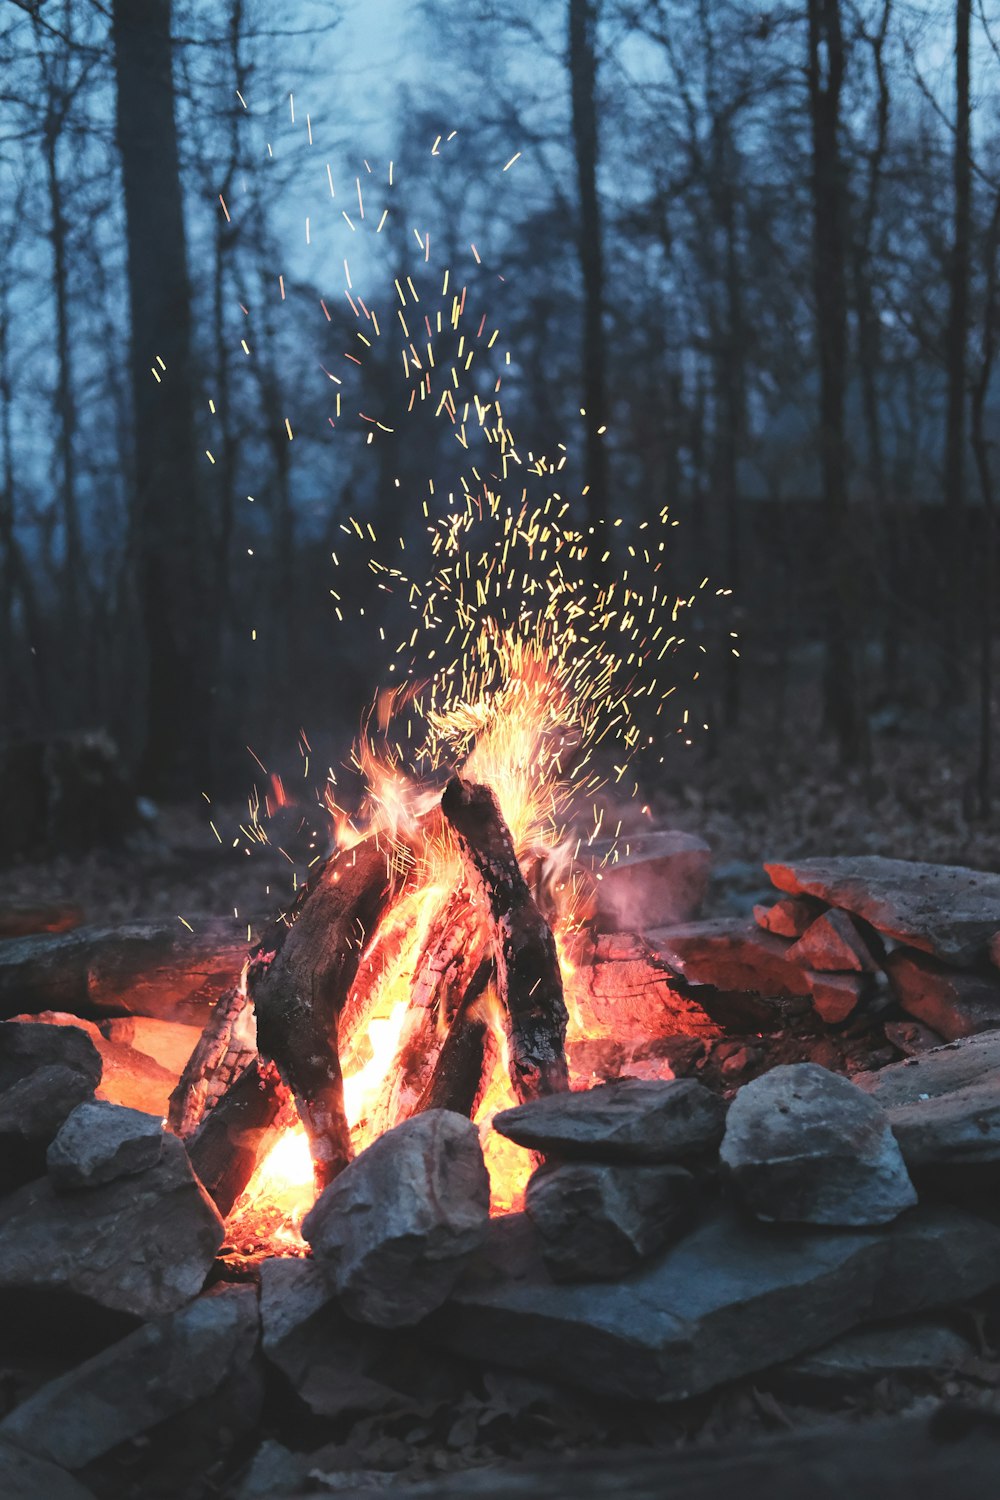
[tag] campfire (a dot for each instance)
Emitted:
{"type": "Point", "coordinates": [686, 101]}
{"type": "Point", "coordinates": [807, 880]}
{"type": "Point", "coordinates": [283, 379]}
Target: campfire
{"type": "Point", "coordinates": [442, 957]}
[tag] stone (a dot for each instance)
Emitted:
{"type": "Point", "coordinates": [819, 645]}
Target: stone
{"type": "Point", "coordinates": [952, 1003]}
{"type": "Point", "coordinates": [141, 1245]}
{"type": "Point", "coordinates": [168, 1043]}
{"type": "Point", "coordinates": [994, 949]}
{"type": "Point", "coordinates": [674, 1120]}
{"type": "Point", "coordinates": [596, 1220]}
{"type": "Point", "coordinates": [944, 1108]}
{"type": "Point", "coordinates": [646, 879]}
{"type": "Point", "coordinates": [45, 1072]}
{"type": "Point", "coordinates": [727, 1300]}
{"type": "Point", "coordinates": [338, 1366]}
{"type": "Point", "coordinates": [99, 1142]}
{"type": "Point", "coordinates": [911, 1037]}
{"type": "Point", "coordinates": [924, 1347]}
{"type": "Point", "coordinates": [399, 1223]}
{"type": "Point", "coordinates": [833, 944]}
{"type": "Point", "coordinates": [159, 1370]}
{"type": "Point", "coordinates": [629, 993]}
{"type": "Point", "coordinates": [789, 917]}
{"type": "Point", "coordinates": [23, 1477]}
{"type": "Point", "coordinates": [835, 996]}
{"type": "Point", "coordinates": [946, 910]}
{"type": "Point", "coordinates": [730, 954]}
{"type": "Point", "coordinates": [805, 1146]}
{"type": "Point", "coordinates": [128, 1076]}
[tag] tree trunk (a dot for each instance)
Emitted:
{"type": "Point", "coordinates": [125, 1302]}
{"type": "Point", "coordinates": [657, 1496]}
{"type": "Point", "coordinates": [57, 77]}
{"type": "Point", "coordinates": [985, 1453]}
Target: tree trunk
{"type": "Point", "coordinates": [842, 710]}
{"type": "Point", "coordinates": [169, 532]}
{"type": "Point", "coordinates": [956, 340]}
{"type": "Point", "coordinates": [582, 55]}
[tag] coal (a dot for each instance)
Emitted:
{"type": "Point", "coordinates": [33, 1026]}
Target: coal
{"type": "Point", "coordinates": [45, 1072]}
{"type": "Point", "coordinates": [397, 1226]}
{"type": "Point", "coordinates": [159, 1370]}
{"type": "Point", "coordinates": [99, 1142]}
{"type": "Point", "coordinates": [630, 1121]}
{"type": "Point", "coordinates": [804, 1145]}
{"type": "Point", "coordinates": [141, 1244]}
{"type": "Point", "coordinates": [595, 1220]}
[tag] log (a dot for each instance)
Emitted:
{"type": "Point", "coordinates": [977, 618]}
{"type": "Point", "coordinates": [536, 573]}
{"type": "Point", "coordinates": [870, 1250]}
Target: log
{"type": "Point", "coordinates": [226, 1047]}
{"type": "Point", "coordinates": [299, 978]}
{"type": "Point", "coordinates": [460, 1073]}
{"type": "Point", "coordinates": [29, 921]}
{"type": "Point", "coordinates": [235, 1135]}
{"type": "Point", "coordinates": [529, 982]}
{"type": "Point", "coordinates": [159, 969]}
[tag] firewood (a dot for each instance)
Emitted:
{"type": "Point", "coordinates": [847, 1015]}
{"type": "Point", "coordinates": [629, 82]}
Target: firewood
{"type": "Point", "coordinates": [235, 1135]}
{"type": "Point", "coordinates": [299, 978]}
{"type": "Point", "coordinates": [529, 982]}
{"type": "Point", "coordinates": [459, 1075]}
{"type": "Point", "coordinates": [225, 1048]}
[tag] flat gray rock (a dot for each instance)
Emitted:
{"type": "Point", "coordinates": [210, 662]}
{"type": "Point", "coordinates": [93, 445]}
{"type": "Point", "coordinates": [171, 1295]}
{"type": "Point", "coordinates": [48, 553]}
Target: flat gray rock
{"type": "Point", "coordinates": [789, 917]}
{"type": "Point", "coordinates": [595, 1220]}
{"type": "Point", "coordinates": [946, 910]}
{"type": "Point", "coordinates": [944, 1106]}
{"type": "Point", "coordinates": [99, 1142]}
{"type": "Point", "coordinates": [45, 1072]}
{"type": "Point", "coordinates": [159, 1370]}
{"type": "Point", "coordinates": [671, 1120]}
{"type": "Point", "coordinates": [731, 1298]}
{"type": "Point", "coordinates": [833, 944]}
{"type": "Point", "coordinates": [953, 1003]}
{"type": "Point", "coordinates": [924, 1347]}
{"type": "Point", "coordinates": [24, 1477]}
{"type": "Point", "coordinates": [730, 954]}
{"type": "Point", "coordinates": [142, 1244]}
{"type": "Point", "coordinates": [804, 1146]}
{"type": "Point", "coordinates": [399, 1223]}
{"type": "Point", "coordinates": [647, 879]}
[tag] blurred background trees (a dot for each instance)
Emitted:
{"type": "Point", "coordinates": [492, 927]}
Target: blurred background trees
{"type": "Point", "coordinates": [746, 264]}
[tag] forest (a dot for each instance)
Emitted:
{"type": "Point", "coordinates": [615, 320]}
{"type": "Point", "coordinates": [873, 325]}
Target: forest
{"type": "Point", "coordinates": [744, 262]}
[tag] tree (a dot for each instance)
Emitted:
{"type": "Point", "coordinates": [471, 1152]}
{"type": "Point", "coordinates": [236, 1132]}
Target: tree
{"type": "Point", "coordinates": [167, 526]}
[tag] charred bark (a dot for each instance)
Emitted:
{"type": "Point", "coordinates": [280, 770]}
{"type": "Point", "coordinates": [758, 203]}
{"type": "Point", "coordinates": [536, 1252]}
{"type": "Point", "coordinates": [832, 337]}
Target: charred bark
{"type": "Point", "coordinates": [459, 1075]}
{"type": "Point", "coordinates": [225, 1049]}
{"type": "Point", "coordinates": [529, 982]}
{"type": "Point", "coordinates": [235, 1135]}
{"type": "Point", "coordinates": [299, 979]}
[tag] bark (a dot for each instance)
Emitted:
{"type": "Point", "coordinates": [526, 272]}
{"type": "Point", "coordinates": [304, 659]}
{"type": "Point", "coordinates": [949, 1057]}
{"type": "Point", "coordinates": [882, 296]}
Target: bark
{"type": "Point", "coordinates": [226, 1047]}
{"type": "Point", "coordinates": [826, 76]}
{"type": "Point", "coordinates": [582, 54]}
{"type": "Point", "coordinates": [238, 1131]}
{"type": "Point", "coordinates": [529, 982]}
{"type": "Point", "coordinates": [460, 1073]}
{"type": "Point", "coordinates": [168, 532]}
{"type": "Point", "coordinates": [299, 979]}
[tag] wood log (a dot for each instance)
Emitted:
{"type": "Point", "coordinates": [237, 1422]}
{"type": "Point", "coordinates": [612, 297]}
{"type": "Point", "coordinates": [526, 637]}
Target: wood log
{"type": "Point", "coordinates": [226, 1047]}
{"type": "Point", "coordinates": [235, 1135]}
{"type": "Point", "coordinates": [460, 1073]}
{"type": "Point", "coordinates": [299, 978]}
{"type": "Point", "coordinates": [528, 979]}
{"type": "Point", "coordinates": [160, 969]}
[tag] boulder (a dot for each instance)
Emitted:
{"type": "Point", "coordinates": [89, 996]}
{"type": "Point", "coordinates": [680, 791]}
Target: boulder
{"type": "Point", "coordinates": [945, 910]}
{"type": "Point", "coordinates": [673, 1120]}
{"type": "Point", "coordinates": [727, 1300]}
{"type": "Point", "coordinates": [399, 1223]}
{"type": "Point", "coordinates": [45, 1072]}
{"type": "Point", "coordinates": [99, 1142]}
{"type": "Point", "coordinates": [789, 917]}
{"type": "Point", "coordinates": [833, 944]}
{"type": "Point", "coordinates": [595, 1220]}
{"type": "Point", "coordinates": [835, 996]}
{"type": "Point", "coordinates": [141, 1245]}
{"type": "Point", "coordinates": [952, 1003]}
{"type": "Point", "coordinates": [23, 1477]}
{"type": "Point", "coordinates": [128, 1076]}
{"type": "Point", "coordinates": [730, 954]}
{"type": "Point", "coordinates": [944, 1108]}
{"type": "Point", "coordinates": [804, 1146]}
{"type": "Point", "coordinates": [159, 1370]}
{"type": "Point", "coordinates": [646, 879]}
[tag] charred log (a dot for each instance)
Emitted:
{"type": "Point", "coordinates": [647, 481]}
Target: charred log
{"type": "Point", "coordinates": [460, 1072]}
{"type": "Point", "coordinates": [299, 979]}
{"type": "Point", "coordinates": [529, 982]}
{"type": "Point", "coordinates": [226, 1047]}
{"type": "Point", "coordinates": [235, 1135]}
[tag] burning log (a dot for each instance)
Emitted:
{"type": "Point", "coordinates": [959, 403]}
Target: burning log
{"type": "Point", "coordinates": [528, 977]}
{"type": "Point", "coordinates": [460, 1072]}
{"type": "Point", "coordinates": [237, 1132]}
{"type": "Point", "coordinates": [225, 1048]}
{"type": "Point", "coordinates": [299, 978]}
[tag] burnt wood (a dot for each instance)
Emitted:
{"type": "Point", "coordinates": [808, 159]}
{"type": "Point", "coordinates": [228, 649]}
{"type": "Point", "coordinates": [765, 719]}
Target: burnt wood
{"type": "Point", "coordinates": [237, 1132]}
{"type": "Point", "coordinates": [529, 981]}
{"type": "Point", "coordinates": [225, 1048]}
{"type": "Point", "coordinates": [459, 1076]}
{"type": "Point", "coordinates": [299, 978]}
